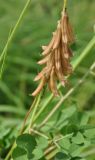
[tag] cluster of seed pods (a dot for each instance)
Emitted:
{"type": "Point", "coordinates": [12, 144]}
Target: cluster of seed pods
{"type": "Point", "coordinates": [56, 57]}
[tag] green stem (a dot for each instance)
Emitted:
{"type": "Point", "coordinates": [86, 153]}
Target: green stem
{"type": "Point", "coordinates": [11, 150]}
{"type": "Point", "coordinates": [15, 29]}
{"type": "Point", "coordinates": [3, 63]}
{"type": "Point", "coordinates": [65, 4]}
{"type": "Point", "coordinates": [5, 51]}
{"type": "Point", "coordinates": [75, 65]}
{"type": "Point", "coordinates": [27, 116]}
{"type": "Point", "coordinates": [43, 107]}
{"type": "Point", "coordinates": [85, 52]}
{"type": "Point", "coordinates": [2, 66]}
{"type": "Point", "coordinates": [38, 98]}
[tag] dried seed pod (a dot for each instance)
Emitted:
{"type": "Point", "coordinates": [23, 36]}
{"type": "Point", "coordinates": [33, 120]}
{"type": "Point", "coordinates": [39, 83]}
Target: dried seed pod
{"type": "Point", "coordinates": [52, 83]}
{"type": "Point", "coordinates": [49, 47]}
{"type": "Point", "coordinates": [57, 38]}
{"type": "Point", "coordinates": [41, 74]}
{"type": "Point", "coordinates": [39, 88]}
{"type": "Point", "coordinates": [44, 47]}
{"type": "Point", "coordinates": [67, 33]}
{"type": "Point", "coordinates": [58, 67]}
{"type": "Point", "coordinates": [66, 51]}
{"type": "Point", "coordinates": [57, 60]}
{"type": "Point", "coordinates": [43, 61]}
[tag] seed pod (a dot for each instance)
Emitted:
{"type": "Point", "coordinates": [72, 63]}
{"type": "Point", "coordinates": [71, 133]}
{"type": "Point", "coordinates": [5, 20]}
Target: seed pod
{"type": "Point", "coordinates": [67, 33]}
{"type": "Point", "coordinates": [52, 83]}
{"type": "Point", "coordinates": [44, 47]}
{"type": "Point", "coordinates": [57, 59]}
{"type": "Point", "coordinates": [58, 67]}
{"type": "Point", "coordinates": [57, 37]}
{"type": "Point", "coordinates": [66, 67]}
{"type": "Point", "coordinates": [43, 61]}
{"type": "Point", "coordinates": [49, 47]}
{"type": "Point", "coordinates": [40, 75]}
{"type": "Point", "coordinates": [39, 88]}
{"type": "Point", "coordinates": [66, 51]}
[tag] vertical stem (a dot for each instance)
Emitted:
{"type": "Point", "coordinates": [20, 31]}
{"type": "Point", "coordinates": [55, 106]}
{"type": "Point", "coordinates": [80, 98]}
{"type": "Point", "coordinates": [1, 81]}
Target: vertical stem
{"type": "Point", "coordinates": [38, 98]}
{"type": "Point", "coordinates": [2, 66]}
{"type": "Point", "coordinates": [65, 4]}
{"type": "Point", "coordinates": [27, 115]}
{"type": "Point", "coordinates": [10, 151]}
{"type": "Point", "coordinates": [15, 29]}
{"type": "Point", "coordinates": [6, 47]}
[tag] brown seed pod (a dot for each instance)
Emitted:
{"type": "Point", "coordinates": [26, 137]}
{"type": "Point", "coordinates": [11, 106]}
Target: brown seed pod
{"type": "Point", "coordinates": [49, 47]}
{"type": "Point", "coordinates": [58, 67]}
{"type": "Point", "coordinates": [66, 51]}
{"type": "Point", "coordinates": [43, 61]}
{"type": "Point", "coordinates": [39, 88]}
{"type": "Point", "coordinates": [40, 75]}
{"type": "Point", "coordinates": [67, 33]}
{"type": "Point", "coordinates": [52, 83]}
{"type": "Point", "coordinates": [44, 47]}
{"type": "Point", "coordinates": [57, 37]}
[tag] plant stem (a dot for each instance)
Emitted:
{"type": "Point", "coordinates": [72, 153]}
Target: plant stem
{"type": "Point", "coordinates": [39, 133]}
{"type": "Point", "coordinates": [10, 152]}
{"type": "Point", "coordinates": [15, 29]}
{"type": "Point", "coordinates": [85, 52]}
{"type": "Point", "coordinates": [27, 115]}
{"type": "Point", "coordinates": [4, 52]}
{"type": "Point", "coordinates": [38, 98]}
{"type": "Point", "coordinates": [75, 65]}
{"type": "Point", "coordinates": [65, 4]}
{"type": "Point", "coordinates": [2, 66]}
{"type": "Point", "coordinates": [43, 107]}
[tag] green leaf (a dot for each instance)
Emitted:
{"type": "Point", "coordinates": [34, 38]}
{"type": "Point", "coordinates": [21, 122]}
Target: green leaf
{"type": "Point", "coordinates": [65, 143]}
{"type": "Point", "coordinates": [19, 154]}
{"type": "Point", "coordinates": [90, 133]}
{"type": "Point", "coordinates": [65, 114]}
{"type": "Point", "coordinates": [78, 139]}
{"type": "Point", "coordinates": [84, 119]}
{"type": "Point", "coordinates": [42, 142]}
{"type": "Point", "coordinates": [71, 129]}
{"type": "Point", "coordinates": [38, 153]}
{"type": "Point", "coordinates": [28, 143]}
{"type": "Point", "coordinates": [61, 156]}
{"type": "Point", "coordinates": [75, 150]}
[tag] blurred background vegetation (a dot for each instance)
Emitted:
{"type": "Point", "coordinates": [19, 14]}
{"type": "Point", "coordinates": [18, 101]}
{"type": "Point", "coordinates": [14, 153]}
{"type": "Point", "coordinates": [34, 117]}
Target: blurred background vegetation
{"type": "Point", "coordinates": [25, 50]}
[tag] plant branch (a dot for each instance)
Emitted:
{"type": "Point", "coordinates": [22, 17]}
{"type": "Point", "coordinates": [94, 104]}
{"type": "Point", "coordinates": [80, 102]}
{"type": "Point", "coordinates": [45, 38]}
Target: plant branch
{"type": "Point", "coordinates": [38, 133]}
